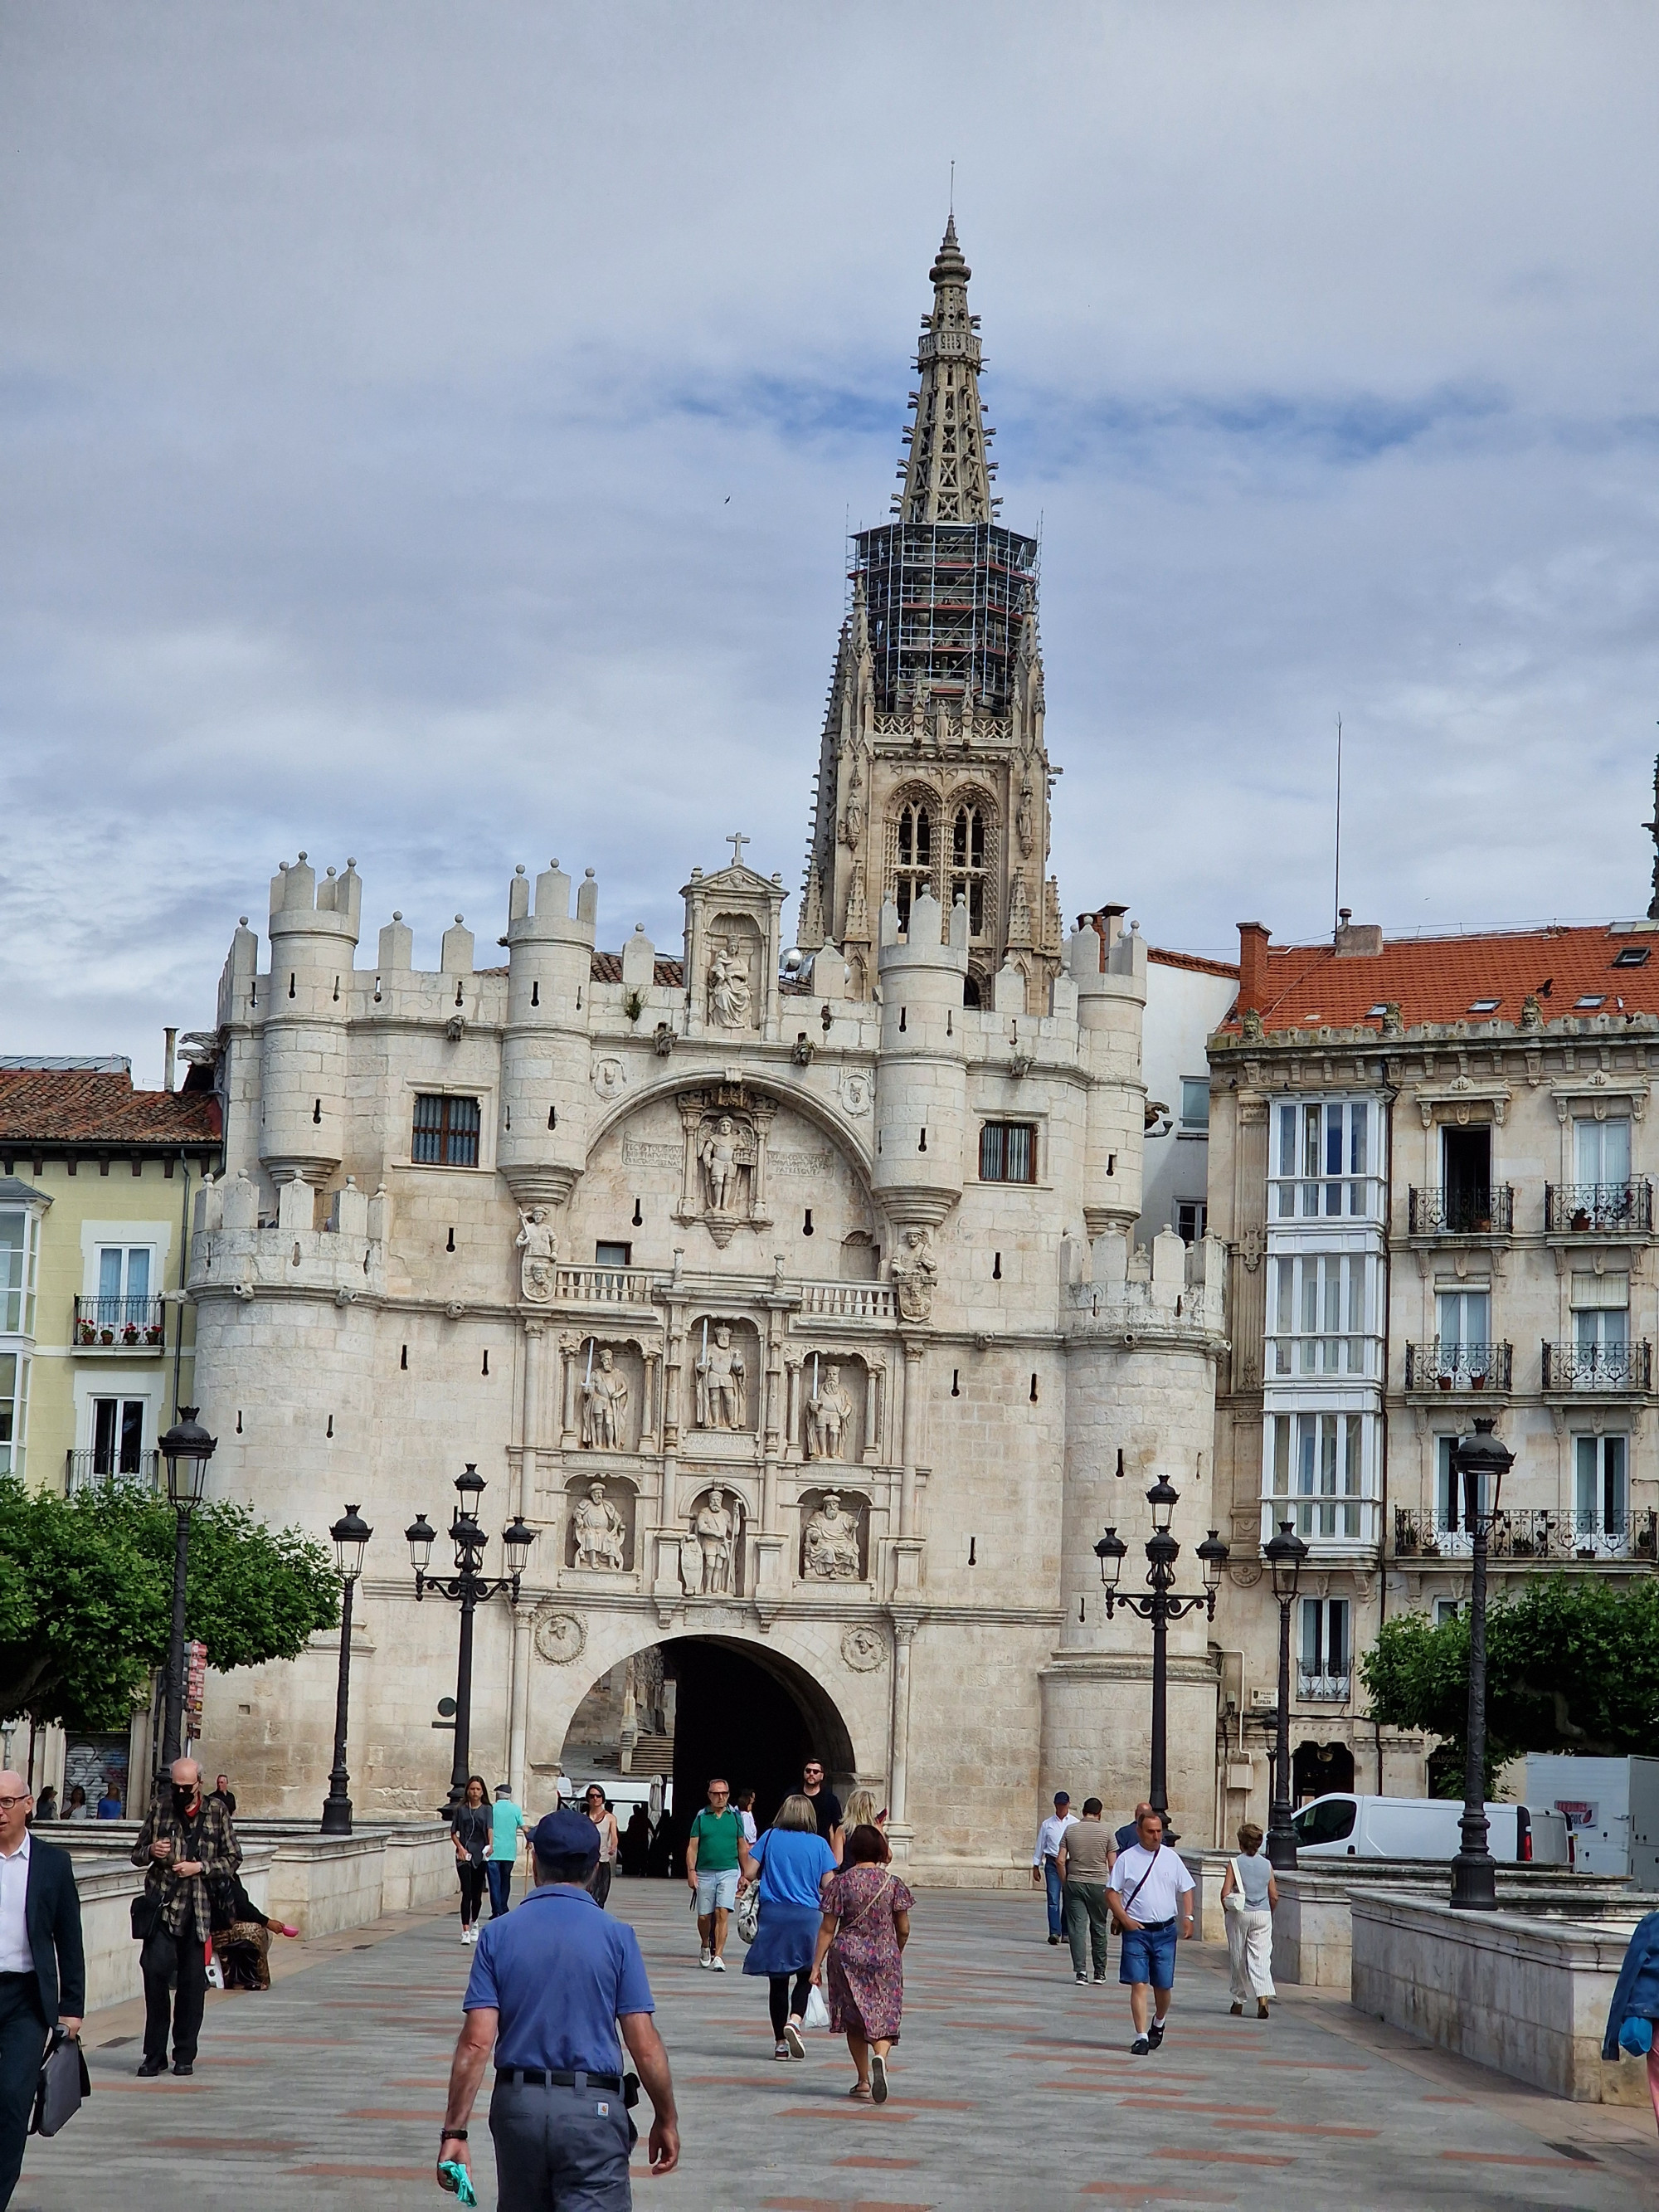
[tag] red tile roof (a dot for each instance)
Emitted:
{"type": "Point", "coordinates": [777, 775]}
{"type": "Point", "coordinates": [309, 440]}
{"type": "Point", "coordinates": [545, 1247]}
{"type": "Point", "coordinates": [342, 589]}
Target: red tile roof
{"type": "Point", "coordinates": [606, 967]}
{"type": "Point", "coordinates": [100, 1111]}
{"type": "Point", "coordinates": [1441, 980]}
{"type": "Point", "coordinates": [1194, 962]}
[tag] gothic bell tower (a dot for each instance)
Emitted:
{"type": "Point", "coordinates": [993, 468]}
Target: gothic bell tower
{"type": "Point", "coordinates": [933, 777]}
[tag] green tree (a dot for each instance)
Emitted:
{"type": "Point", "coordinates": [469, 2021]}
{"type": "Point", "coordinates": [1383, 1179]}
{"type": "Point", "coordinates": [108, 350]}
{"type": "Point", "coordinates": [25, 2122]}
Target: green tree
{"type": "Point", "coordinates": [86, 1597]}
{"type": "Point", "coordinates": [1572, 1664]}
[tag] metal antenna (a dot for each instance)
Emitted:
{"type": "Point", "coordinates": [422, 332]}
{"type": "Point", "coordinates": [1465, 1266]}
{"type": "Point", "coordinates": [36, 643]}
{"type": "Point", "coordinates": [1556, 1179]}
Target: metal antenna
{"type": "Point", "coordinates": [953, 190]}
{"type": "Point", "coordinates": [1336, 897]}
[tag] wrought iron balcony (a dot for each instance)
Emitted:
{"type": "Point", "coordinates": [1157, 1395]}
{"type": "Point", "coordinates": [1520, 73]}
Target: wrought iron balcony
{"type": "Point", "coordinates": [1617, 1371]}
{"type": "Point", "coordinates": [1447, 1368]}
{"type": "Point", "coordinates": [1321, 1689]}
{"type": "Point", "coordinates": [95, 1469]}
{"type": "Point", "coordinates": [120, 1324]}
{"type": "Point", "coordinates": [1462, 1213]}
{"type": "Point", "coordinates": [1598, 1209]}
{"type": "Point", "coordinates": [1525, 1535]}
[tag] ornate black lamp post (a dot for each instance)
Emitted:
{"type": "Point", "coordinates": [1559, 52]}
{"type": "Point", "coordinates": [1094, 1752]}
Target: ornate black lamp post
{"type": "Point", "coordinates": [186, 1448]}
{"type": "Point", "coordinates": [467, 1587]}
{"type": "Point", "coordinates": [1160, 1607]}
{"type": "Point", "coordinates": [351, 1533]}
{"type": "Point", "coordinates": [1482, 1462]}
{"type": "Point", "coordinates": [1283, 1553]}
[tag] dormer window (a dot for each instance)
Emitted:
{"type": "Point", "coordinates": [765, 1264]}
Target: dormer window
{"type": "Point", "coordinates": [1484, 1006]}
{"type": "Point", "coordinates": [1631, 955]}
{"type": "Point", "coordinates": [1590, 1001]}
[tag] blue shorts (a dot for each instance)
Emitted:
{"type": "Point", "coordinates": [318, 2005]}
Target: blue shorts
{"type": "Point", "coordinates": [716, 1889]}
{"type": "Point", "coordinates": [1148, 1955]}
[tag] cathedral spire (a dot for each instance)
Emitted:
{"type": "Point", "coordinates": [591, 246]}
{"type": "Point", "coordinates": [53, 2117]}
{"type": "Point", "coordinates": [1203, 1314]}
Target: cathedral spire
{"type": "Point", "coordinates": [947, 477]}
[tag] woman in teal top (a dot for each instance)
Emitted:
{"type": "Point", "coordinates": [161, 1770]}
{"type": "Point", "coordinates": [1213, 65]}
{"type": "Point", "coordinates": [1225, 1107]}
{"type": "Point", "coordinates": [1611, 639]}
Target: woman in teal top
{"type": "Point", "coordinates": [791, 1862]}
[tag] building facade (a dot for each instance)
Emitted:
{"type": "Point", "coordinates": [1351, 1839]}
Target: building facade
{"type": "Point", "coordinates": [1428, 1158]}
{"type": "Point", "coordinates": [793, 1301]}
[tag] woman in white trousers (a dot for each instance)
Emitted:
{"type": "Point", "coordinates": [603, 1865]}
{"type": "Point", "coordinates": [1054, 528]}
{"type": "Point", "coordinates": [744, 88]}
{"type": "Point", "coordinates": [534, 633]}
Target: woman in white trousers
{"type": "Point", "coordinates": [1248, 1895]}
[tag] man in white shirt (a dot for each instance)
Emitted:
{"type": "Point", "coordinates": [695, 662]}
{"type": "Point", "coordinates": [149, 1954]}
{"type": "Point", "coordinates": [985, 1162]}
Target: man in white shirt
{"type": "Point", "coordinates": [43, 1981]}
{"type": "Point", "coordinates": [1149, 1892]}
{"type": "Point", "coordinates": [1045, 1860]}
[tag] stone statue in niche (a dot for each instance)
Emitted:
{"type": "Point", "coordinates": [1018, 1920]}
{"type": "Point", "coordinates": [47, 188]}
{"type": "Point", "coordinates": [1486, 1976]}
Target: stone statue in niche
{"type": "Point", "coordinates": [601, 1531]}
{"type": "Point", "coordinates": [722, 1399]}
{"type": "Point", "coordinates": [720, 1155]}
{"type": "Point", "coordinates": [853, 823]}
{"type": "Point", "coordinates": [730, 999]}
{"type": "Point", "coordinates": [716, 1528]}
{"type": "Point", "coordinates": [540, 1248]}
{"type": "Point", "coordinates": [831, 1545]}
{"type": "Point", "coordinates": [604, 1401]}
{"type": "Point", "coordinates": [1023, 821]}
{"type": "Point", "coordinates": [829, 1413]}
{"type": "Point", "coordinates": [915, 1275]}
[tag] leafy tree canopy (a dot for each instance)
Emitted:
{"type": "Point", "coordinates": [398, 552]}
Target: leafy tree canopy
{"type": "Point", "coordinates": [86, 1597]}
{"type": "Point", "coordinates": [1572, 1664]}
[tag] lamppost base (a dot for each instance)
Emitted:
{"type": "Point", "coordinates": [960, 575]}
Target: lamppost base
{"type": "Point", "coordinates": [1282, 1851]}
{"type": "Point", "coordinates": [1474, 1883]}
{"type": "Point", "coordinates": [337, 1816]}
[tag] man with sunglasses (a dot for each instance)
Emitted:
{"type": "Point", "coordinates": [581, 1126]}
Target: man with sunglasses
{"type": "Point", "coordinates": [826, 1806]}
{"type": "Point", "coordinates": [43, 1977]}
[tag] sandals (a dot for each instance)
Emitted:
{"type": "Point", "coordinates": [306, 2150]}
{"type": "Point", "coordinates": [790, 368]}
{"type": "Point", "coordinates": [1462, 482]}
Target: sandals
{"type": "Point", "coordinates": [862, 2094]}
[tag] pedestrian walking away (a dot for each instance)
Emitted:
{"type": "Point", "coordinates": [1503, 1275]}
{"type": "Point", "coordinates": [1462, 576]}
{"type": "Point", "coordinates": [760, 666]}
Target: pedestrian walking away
{"type": "Point", "coordinates": [1045, 1860]}
{"type": "Point", "coordinates": [1087, 1852]}
{"type": "Point", "coordinates": [1634, 2013]}
{"type": "Point", "coordinates": [791, 1862]}
{"type": "Point", "coordinates": [826, 1806]}
{"type": "Point", "coordinates": [635, 1844]}
{"type": "Point", "coordinates": [1149, 1892]}
{"type": "Point", "coordinates": [1249, 1898]}
{"type": "Point", "coordinates": [188, 1847]}
{"type": "Point", "coordinates": [865, 1928]}
{"type": "Point", "coordinates": [506, 1821]}
{"type": "Point", "coordinates": [745, 1801]}
{"type": "Point", "coordinates": [473, 1828]}
{"type": "Point", "coordinates": [605, 1822]}
{"type": "Point", "coordinates": [43, 1978]}
{"type": "Point", "coordinates": [242, 1937]}
{"type": "Point", "coordinates": [557, 1988]}
{"type": "Point", "coordinates": [712, 1850]}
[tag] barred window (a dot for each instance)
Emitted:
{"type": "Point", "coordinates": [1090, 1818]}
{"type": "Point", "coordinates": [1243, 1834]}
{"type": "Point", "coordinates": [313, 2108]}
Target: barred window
{"type": "Point", "coordinates": [1007, 1152]}
{"type": "Point", "coordinates": [446, 1132]}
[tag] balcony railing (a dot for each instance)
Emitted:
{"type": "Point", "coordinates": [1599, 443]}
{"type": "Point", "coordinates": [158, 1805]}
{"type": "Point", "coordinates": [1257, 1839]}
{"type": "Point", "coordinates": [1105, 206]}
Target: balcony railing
{"type": "Point", "coordinates": [1322, 1689]}
{"type": "Point", "coordinates": [120, 1324]}
{"type": "Point", "coordinates": [1598, 1209]}
{"type": "Point", "coordinates": [1604, 1370]}
{"type": "Point", "coordinates": [1488, 1213]}
{"type": "Point", "coordinates": [1452, 1367]}
{"type": "Point", "coordinates": [95, 1469]}
{"type": "Point", "coordinates": [602, 1287]}
{"type": "Point", "coordinates": [1526, 1534]}
{"type": "Point", "coordinates": [848, 1301]}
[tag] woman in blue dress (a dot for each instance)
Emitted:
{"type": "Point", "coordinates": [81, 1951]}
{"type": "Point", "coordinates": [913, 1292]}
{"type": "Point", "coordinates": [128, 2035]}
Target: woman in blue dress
{"type": "Point", "coordinates": [791, 1862]}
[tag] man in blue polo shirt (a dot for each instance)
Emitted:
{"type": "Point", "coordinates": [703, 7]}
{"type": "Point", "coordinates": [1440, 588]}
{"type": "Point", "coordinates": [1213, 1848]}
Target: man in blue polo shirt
{"type": "Point", "coordinates": [550, 1985]}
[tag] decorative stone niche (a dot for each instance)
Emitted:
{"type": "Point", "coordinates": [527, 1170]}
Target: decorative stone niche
{"type": "Point", "coordinates": [724, 1375]}
{"type": "Point", "coordinates": [600, 1520]}
{"type": "Point", "coordinates": [834, 1536]}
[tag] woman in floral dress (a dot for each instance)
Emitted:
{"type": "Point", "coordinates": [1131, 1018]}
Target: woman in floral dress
{"type": "Point", "coordinates": [867, 1925]}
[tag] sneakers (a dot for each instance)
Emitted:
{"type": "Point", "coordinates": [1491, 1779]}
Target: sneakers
{"type": "Point", "coordinates": [1100, 1977]}
{"type": "Point", "coordinates": [792, 2037]}
{"type": "Point", "coordinates": [717, 1964]}
{"type": "Point", "coordinates": [1080, 1978]}
{"type": "Point", "coordinates": [1053, 1939]}
{"type": "Point", "coordinates": [878, 2078]}
{"type": "Point", "coordinates": [707, 1955]}
{"type": "Point", "coordinates": [1155, 2034]}
{"type": "Point", "coordinates": [1139, 2047]}
{"type": "Point", "coordinates": [780, 2050]}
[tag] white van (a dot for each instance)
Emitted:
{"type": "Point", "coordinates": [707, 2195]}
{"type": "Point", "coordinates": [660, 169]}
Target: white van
{"type": "Point", "coordinates": [1344, 1825]}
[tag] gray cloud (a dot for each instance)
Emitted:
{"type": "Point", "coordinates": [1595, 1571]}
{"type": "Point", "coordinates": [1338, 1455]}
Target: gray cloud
{"type": "Point", "coordinates": [428, 433]}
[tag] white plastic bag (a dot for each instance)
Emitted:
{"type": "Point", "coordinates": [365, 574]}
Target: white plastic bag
{"type": "Point", "coordinates": [817, 2008]}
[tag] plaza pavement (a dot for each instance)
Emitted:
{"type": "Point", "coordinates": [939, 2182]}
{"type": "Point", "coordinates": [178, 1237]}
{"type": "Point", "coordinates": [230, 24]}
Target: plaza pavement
{"type": "Point", "coordinates": [1012, 2086]}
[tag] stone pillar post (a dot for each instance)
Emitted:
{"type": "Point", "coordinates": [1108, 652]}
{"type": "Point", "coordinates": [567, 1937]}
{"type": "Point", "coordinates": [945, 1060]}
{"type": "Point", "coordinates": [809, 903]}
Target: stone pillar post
{"type": "Point", "coordinates": [519, 1704]}
{"type": "Point", "coordinates": [898, 1755]}
{"type": "Point", "coordinates": [913, 1352]}
{"type": "Point", "coordinates": [531, 1434]}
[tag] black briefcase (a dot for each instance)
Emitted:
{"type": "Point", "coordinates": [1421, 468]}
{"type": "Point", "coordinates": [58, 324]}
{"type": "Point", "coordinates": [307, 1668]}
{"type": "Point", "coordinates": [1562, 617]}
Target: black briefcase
{"type": "Point", "coordinates": [64, 2082]}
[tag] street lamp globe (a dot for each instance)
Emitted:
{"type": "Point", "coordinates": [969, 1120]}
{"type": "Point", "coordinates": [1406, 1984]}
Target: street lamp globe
{"type": "Point", "coordinates": [1482, 1462]}
{"type": "Point", "coordinates": [420, 1536]}
{"type": "Point", "coordinates": [1285, 1554]}
{"type": "Point", "coordinates": [1111, 1550]}
{"type": "Point", "coordinates": [516, 1540]}
{"type": "Point", "coordinates": [1163, 1499]}
{"type": "Point", "coordinates": [187, 1448]}
{"type": "Point", "coordinates": [351, 1533]}
{"type": "Point", "coordinates": [1213, 1558]}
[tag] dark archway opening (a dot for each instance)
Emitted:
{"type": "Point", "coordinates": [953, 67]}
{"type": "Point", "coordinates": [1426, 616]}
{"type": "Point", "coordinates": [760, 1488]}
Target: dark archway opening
{"type": "Point", "coordinates": [1317, 1769]}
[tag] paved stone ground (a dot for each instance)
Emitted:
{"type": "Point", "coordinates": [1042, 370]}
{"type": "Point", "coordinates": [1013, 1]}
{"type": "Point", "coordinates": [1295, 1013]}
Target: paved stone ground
{"type": "Point", "coordinates": [1013, 2087]}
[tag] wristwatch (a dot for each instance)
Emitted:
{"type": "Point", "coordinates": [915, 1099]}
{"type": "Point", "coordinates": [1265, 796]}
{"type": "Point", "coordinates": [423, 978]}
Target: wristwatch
{"type": "Point", "coordinates": [451, 2135]}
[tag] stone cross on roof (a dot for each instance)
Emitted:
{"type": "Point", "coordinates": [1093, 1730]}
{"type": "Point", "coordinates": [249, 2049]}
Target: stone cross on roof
{"type": "Point", "coordinates": [736, 841]}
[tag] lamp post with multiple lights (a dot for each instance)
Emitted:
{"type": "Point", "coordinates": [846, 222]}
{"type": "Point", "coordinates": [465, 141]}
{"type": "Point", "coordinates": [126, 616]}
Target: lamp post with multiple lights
{"type": "Point", "coordinates": [186, 1448]}
{"type": "Point", "coordinates": [468, 1587]}
{"type": "Point", "coordinates": [351, 1533]}
{"type": "Point", "coordinates": [1283, 1553]}
{"type": "Point", "coordinates": [1481, 1463]}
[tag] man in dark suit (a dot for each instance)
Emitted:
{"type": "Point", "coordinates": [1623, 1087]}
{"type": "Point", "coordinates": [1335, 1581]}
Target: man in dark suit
{"type": "Point", "coordinates": [43, 1976]}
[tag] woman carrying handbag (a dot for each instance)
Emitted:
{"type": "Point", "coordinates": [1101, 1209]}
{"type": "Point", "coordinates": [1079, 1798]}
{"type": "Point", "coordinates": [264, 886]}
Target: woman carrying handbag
{"type": "Point", "coordinates": [1249, 1897]}
{"type": "Point", "coordinates": [789, 1866]}
{"type": "Point", "coordinates": [867, 1925]}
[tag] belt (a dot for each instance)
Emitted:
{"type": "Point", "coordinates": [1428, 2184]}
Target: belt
{"type": "Point", "coordinates": [1155, 1927]}
{"type": "Point", "coordinates": [536, 2077]}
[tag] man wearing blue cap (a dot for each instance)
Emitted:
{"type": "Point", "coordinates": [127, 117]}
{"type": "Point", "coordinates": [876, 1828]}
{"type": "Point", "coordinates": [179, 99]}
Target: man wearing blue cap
{"type": "Point", "coordinates": [550, 1985]}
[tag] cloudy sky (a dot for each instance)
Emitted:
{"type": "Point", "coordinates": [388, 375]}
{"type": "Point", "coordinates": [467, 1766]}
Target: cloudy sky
{"type": "Point", "coordinates": [428, 433]}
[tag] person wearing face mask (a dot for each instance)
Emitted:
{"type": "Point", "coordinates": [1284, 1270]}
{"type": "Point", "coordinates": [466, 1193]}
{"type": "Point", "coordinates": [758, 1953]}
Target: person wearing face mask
{"type": "Point", "coordinates": [187, 1846]}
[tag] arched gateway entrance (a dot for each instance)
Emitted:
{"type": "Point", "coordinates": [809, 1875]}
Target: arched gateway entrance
{"type": "Point", "coordinates": [702, 1705]}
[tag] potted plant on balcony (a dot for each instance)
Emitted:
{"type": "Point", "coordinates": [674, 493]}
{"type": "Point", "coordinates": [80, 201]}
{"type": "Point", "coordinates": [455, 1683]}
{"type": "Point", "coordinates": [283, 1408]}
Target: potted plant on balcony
{"type": "Point", "coordinates": [1444, 1381]}
{"type": "Point", "coordinates": [129, 1333]}
{"type": "Point", "coordinates": [1478, 1379]}
{"type": "Point", "coordinates": [86, 1332]}
{"type": "Point", "coordinates": [106, 1336]}
{"type": "Point", "coordinates": [153, 1333]}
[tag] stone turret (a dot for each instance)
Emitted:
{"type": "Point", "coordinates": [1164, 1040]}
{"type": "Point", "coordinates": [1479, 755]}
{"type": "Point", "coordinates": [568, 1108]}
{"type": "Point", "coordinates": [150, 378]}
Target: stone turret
{"type": "Point", "coordinates": [313, 938]}
{"type": "Point", "coordinates": [921, 1080]}
{"type": "Point", "coordinates": [545, 1050]}
{"type": "Point", "coordinates": [1109, 971]}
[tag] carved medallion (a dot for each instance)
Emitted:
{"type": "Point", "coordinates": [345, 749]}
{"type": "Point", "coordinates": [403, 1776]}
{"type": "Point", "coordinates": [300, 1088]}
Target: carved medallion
{"type": "Point", "coordinates": [560, 1637]}
{"type": "Point", "coordinates": [864, 1650]}
{"type": "Point", "coordinates": [855, 1093]}
{"type": "Point", "coordinates": [608, 1077]}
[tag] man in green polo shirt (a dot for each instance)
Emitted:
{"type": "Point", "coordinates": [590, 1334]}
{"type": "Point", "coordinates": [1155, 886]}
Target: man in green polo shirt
{"type": "Point", "coordinates": [711, 1869]}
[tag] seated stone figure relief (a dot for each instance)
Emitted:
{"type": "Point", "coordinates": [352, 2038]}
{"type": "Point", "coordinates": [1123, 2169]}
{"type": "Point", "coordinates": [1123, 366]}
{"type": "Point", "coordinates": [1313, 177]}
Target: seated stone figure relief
{"type": "Point", "coordinates": [600, 1532]}
{"type": "Point", "coordinates": [830, 1545]}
